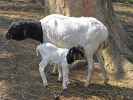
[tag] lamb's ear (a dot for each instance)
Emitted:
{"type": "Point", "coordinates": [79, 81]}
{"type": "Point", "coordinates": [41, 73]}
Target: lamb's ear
{"type": "Point", "coordinates": [81, 50]}
{"type": "Point", "coordinates": [13, 25]}
{"type": "Point", "coordinates": [69, 57]}
{"type": "Point", "coordinates": [71, 50]}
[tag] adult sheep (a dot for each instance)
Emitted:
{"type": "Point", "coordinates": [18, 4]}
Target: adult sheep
{"type": "Point", "coordinates": [65, 32]}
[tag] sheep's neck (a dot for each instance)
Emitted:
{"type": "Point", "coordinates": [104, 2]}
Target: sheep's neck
{"type": "Point", "coordinates": [35, 32]}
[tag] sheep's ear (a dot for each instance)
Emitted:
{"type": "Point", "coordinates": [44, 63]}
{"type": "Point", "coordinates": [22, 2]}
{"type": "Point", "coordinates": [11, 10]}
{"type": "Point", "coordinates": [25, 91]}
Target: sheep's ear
{"type": "Point", "coordinates": [71, 50]}
{"type": "Point", "coordinates": [13, 25]}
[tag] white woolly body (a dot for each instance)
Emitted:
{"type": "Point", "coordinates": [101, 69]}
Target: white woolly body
{"type": "Point", "coordinates": [52, 54]}
{"type": "Point", "coordinates": [67, 32]}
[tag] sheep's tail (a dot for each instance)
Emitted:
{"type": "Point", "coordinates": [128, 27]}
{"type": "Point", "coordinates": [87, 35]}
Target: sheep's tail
{"type": "Point", "coordinates": [104, 45]}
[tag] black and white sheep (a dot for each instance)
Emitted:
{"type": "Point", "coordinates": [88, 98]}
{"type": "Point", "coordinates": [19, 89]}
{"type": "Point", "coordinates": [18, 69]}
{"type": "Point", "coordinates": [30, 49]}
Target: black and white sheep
{"type": "Point", "coordinates": [62, 56]}
{"type": "Point", "coordinates": [65, 32]}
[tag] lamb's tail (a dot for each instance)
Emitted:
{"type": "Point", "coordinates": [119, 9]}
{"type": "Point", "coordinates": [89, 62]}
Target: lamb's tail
{"type": "Point", "coordinates": [105, 44]}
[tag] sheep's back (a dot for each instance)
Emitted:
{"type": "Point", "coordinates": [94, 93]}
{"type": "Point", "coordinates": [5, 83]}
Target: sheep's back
{"type": "Point", "coordinates": [67, 32]}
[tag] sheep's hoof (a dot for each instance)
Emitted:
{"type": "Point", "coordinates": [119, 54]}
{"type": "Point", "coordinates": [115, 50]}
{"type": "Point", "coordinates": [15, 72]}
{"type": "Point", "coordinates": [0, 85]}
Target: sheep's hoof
{"type": "Point", "coordinates": [56, 97]}
{"type": "Point", "coordinates": [68, 82]}
{"type": "Point", "coordinates": [65, 92]}
{"type": "Point", "coordinates": [87, 84]}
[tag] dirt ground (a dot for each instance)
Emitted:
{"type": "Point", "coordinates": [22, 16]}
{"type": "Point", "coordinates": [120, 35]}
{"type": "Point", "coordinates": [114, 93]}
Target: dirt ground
{"type": "Point", "coordinates": [20, 78]}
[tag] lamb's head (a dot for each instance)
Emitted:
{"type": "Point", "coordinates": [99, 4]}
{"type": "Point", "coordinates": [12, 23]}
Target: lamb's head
{"type": "Point", "coordinates": [75, 53]}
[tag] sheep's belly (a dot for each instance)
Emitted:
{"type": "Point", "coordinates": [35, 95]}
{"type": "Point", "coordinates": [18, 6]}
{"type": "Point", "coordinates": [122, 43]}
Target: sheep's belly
{"type": "Point", "coordinates": [68, 41]}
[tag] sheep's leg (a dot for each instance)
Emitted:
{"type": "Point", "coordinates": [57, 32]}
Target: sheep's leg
{"type": "Point", "coordinates": [100, 59]}
{"type": "Point", "coordinates": [65, 72]}
{"type": "Point", "coordinates": [42, 67]}
{"type": "Point", "coordinates": [90, 69]}
{"type": "Point", "coordinates": [54, 69]}
{"type": "Point", "coordinates": [60, 74]}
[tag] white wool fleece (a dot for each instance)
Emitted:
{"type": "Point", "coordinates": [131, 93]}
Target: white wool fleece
{"type": "Point", "coordinates": [67, 32]}
{"type": "Point", "coordinates": [50, 53]}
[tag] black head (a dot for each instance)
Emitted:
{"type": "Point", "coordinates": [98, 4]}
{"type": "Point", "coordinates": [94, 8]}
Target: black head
{"type": "Point", "coordinates": [17, 31]}
{"type": "Point", "coordinates": [22, 30]}
{"type": "Point", "coordinates": [75, 53]}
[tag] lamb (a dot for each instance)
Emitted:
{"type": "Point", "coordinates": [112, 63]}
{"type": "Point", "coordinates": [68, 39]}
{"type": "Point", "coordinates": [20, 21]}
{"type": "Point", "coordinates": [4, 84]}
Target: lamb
{"type": "Point", "coordinates": [66, 32]}
{"type": "Point", "coordinates": [62, 56]}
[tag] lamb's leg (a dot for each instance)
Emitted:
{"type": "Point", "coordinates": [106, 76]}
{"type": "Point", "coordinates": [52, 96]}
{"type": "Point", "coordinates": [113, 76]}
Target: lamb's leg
{"type": "Point", "coordinates": [60, 73]}
{"type": "Point", "coordinates": [100, 59]}
{"type": "Point", "coordinates": [65, 72]}
{"type": "Point", "coordinates": [42, 67]}
{"type": "Point", "coordinates": [90, 69]}
{"type": "Point", "coordinates": [54, 69]}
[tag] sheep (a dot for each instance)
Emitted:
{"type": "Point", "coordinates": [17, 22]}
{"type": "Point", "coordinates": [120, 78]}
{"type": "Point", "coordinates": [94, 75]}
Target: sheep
{"type": "Point", "coordinates": [66, 32]}
{"type": "Point", "coordinates": [62, 56]}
